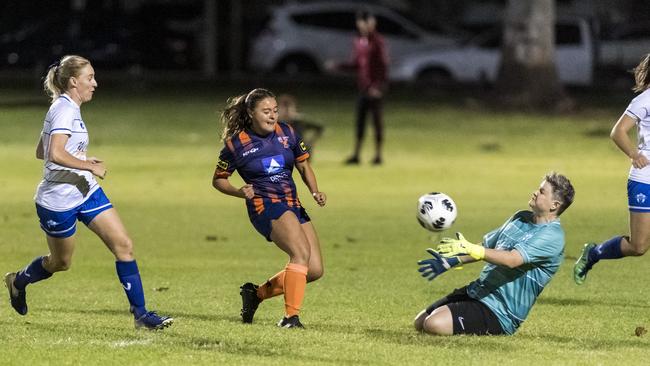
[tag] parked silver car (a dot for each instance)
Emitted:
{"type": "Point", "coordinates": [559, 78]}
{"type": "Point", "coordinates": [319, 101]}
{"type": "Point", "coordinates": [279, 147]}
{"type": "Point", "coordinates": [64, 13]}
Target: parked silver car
{"type": "Point", "coordinates": [302, 37]}
{"type": "Point", "coordinates": [478, 60]}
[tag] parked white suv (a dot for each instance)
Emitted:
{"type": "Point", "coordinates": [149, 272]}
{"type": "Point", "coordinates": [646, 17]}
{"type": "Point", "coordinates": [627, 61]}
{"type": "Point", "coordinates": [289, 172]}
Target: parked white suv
{"type": "Point", "coordinates": [479, 59]}
{"type": "Point", "coordinates": [302, 37]}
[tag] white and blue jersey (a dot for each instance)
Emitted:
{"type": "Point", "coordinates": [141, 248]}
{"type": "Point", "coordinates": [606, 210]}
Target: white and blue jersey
{"type": "Point", "coordinates": [64, 188]}
{"type": "Point", "coordinates": [511, 292]}
{"type": "Point", "coordinates": [639, 109]}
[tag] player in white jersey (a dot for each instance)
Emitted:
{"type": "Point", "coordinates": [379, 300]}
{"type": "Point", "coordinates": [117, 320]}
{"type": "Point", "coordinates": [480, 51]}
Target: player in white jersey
{"type": "Point", "coordinates": [638, 184]}
{"type": "Point", "coordinates": [69, 192]}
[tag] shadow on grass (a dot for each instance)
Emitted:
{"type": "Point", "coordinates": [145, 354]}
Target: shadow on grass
{"type": "Point", "coordinates": [176, 315]}
{"type": "Point", "coordinates": [57, 329]}
{"type": "Point", "coordinates": [503, 343]}
{"type": "Point", "coordinates": [413, 337]}
{"type": "Point", "coordinates": [259, 350]}
{"type": "Point", "coordinates": [208, 317]}
{"type": "Point", "coordinates": [568, 343]}
{"type": "Point", "coordinates": [410, 337]}
{"type": "Point", "coordinates": [588, 302]}
{"type": "Point", "coordinates": [547, 300]}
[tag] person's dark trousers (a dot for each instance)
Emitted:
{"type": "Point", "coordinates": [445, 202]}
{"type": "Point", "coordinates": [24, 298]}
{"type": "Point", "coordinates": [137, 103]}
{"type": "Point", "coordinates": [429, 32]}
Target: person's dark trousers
{"type": "Point", "coordinates": [373, 105]}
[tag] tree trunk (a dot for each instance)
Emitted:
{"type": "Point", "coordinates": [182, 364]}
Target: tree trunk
{"type": "Point", "coordinates": [209, 39]}
{"type": "Point", "coordinates": [527, 76]}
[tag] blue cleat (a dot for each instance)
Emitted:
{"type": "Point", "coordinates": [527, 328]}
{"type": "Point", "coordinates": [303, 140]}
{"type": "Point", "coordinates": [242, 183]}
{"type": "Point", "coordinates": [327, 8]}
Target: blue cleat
{"type": "Point", "coordinates": [582, 265]}
{"type": "Point", "coordinates": [17, 297]}
{"type": "Point", "coordinates": [153, 321]}
{"type": "Point", "coordinates": [290, 322]}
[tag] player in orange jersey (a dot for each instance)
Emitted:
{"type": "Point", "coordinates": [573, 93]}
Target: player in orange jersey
{"type": "Point", "coordinates": [264, 152]}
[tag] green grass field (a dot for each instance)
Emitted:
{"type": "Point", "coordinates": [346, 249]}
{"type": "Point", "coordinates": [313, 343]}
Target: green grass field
{"type": "Point", "coordinates": [195, 246]}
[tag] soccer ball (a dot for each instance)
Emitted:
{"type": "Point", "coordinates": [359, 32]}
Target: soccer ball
{"type": "Point", "coordinates": [436, 211]}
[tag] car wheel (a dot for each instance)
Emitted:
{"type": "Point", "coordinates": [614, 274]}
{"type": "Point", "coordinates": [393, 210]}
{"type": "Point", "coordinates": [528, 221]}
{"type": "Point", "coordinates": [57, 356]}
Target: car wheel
{"type": "Point", "coordinates": [435, 77]}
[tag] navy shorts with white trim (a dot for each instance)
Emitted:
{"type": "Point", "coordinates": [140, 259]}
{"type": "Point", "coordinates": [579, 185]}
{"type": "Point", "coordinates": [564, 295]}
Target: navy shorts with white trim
{"type": "Point", "coordinates": [63, 224]}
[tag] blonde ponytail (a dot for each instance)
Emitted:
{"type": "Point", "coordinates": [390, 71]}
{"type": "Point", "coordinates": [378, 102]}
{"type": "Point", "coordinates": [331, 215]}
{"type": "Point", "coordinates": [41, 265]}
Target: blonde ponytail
{"type": "Point", "coordinates": [58, 75]}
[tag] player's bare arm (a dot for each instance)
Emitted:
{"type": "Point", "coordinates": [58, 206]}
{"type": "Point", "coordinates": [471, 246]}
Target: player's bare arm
{"type": "Point", "coordinates": [622, 139]}
{"type": "Point", "coordinates": [224, 186]}
{"type": "Point", "coordinates": [506, 258]}
{"type": "Point", "coordinates": [308, 176]}
{"type": "Point", "coordinates": [60, 156]}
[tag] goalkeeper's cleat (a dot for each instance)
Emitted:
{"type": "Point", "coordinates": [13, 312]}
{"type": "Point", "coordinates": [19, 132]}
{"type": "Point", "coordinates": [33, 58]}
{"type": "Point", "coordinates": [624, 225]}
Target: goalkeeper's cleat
{"type": "Point", "coordinates": [17, 297]}
{"type": "Point", "coordinates": [583, 265]}
{"type": "Point", "coordinates": [290, 322]}
{"type": "Point", "coordinates": [153, 321]}
{"type": "Point", "coordinates": [250, 301]}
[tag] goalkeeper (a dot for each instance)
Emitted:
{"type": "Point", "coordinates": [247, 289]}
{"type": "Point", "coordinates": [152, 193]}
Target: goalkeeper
{"type": "Point", "coordinates": [522, 256]}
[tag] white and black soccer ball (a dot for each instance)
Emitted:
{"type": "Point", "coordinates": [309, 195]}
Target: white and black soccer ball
{"type": "Point", "coordinates": [436, 211]}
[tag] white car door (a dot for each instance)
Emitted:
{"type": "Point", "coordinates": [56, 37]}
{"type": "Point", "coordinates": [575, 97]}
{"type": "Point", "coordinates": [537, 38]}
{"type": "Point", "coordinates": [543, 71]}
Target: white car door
{"type": "Point", "coordinates": [402, 41]}
{"type": "Point", "coordinates": [574, 53]}
{"type": "Point", "coordinates": [328, 35]}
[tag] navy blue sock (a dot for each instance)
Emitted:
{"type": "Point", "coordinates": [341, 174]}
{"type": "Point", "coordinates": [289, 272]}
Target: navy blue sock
{"type": "Point", "coordinates": [610, 249]}
{"type": "Point", "coordinates": [34, 272]}
{"type": "Point", "coordinates": [132, 284]}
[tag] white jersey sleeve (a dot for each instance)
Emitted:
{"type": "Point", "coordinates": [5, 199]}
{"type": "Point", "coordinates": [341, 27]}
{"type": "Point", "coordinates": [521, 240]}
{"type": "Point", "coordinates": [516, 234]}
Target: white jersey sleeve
{"type": "Point", "coordinates": [639, 109]}
{"type": "Point", "coordinates": [60, 121]}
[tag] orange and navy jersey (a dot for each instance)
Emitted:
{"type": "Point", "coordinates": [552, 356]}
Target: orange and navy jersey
{"type": "Point", "coordinates": [266, 162]}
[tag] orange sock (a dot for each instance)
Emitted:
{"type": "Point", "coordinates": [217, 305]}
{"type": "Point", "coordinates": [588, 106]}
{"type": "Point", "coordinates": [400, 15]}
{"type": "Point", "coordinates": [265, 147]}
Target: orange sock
{"type": "Point", "coordinates": [295, 282]}
{"type": "Point", "coordinates": [272, 287]}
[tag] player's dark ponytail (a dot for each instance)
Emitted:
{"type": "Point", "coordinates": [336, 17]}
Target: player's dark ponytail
{"type": "Point", "coordinates": [641, 75]}
{"type": "Point", "coordinates": [236, 116]}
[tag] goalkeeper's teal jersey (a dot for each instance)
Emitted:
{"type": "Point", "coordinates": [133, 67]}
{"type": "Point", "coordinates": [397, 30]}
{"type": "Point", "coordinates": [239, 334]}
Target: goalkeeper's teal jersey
{"type": "Point", "coordinates": [511, 292]}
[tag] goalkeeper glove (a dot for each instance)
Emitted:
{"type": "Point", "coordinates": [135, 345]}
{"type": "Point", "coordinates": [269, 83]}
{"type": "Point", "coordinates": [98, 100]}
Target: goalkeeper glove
{"type": "Point", "coordinates": [434, 267]}
{"type": "Point", "coordinates": [454, 247]}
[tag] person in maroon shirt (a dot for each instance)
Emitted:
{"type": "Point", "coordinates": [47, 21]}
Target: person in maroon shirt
{"type": "Point", "coordinates": [370, 61]}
